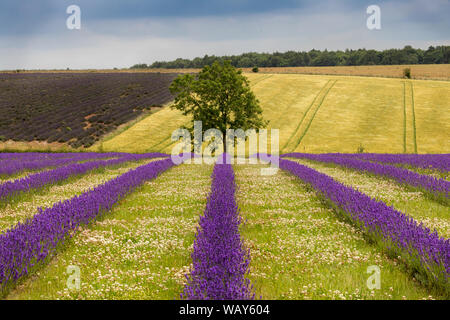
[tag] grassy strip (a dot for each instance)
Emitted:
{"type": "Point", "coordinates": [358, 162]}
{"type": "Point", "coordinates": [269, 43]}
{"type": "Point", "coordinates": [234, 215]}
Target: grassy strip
{"type": "Point", "coordinates": [301, 250]}
{"type": "Point", "coordinates": [139, 250]}
{"type": "Point", "coordinates": [427, 171]}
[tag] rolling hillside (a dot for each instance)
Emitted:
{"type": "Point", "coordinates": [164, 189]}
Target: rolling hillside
{"type": "Point", "coordinates": [325, 113]}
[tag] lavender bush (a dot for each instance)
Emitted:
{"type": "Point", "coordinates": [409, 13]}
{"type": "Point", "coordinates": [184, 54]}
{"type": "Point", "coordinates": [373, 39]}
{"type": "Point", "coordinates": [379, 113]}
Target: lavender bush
{"type": "Point", "coordinates": [220, 261]}
{"type": "Point", "coordinates": [28, 244]}
{"type": "Point", "coordinates": [397, 233]}
{"type": "Point", "coordinates": [9, 166]}
{"type": "Point", "coordinates": [439, 162]}
{"type": "Point", "coordinates": [436, 188]}
{"type": "Point", "coordinates": [40, 179]}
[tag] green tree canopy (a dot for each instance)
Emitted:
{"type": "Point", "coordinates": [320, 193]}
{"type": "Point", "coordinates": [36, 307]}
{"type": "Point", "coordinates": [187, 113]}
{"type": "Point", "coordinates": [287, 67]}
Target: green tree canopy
{"type": "Point", "coordinates": [220, 97]}
{"type": "Point", "coordinates": [407, 55]}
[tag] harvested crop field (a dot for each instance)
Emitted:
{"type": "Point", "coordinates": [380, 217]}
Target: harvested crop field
{"type": "Point", "coordinates": [317, 113]}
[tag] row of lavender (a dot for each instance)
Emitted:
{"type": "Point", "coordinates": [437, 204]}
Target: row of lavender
{"type": "Point", "coordinates": [220, 261]}
{"type": "Point", "coordinates": [14, 163]}
{"type": "Point", "coordinates": [435, 187]}
{"type": "Point", "coordinates": [422, 250]}
{"type": "Point", "coordinates": [12, 188]}
{"type": "Point", "coordinates": [439, 162]}
{"type": "Point", "coordinates": [33, 155]}
{"type": "Point", "coordinates": [30, 243]}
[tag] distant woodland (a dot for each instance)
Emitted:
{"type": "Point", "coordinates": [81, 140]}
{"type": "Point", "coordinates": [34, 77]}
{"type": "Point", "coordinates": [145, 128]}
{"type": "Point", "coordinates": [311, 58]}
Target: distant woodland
{"type": "Point", "coordinates": [407, 55]}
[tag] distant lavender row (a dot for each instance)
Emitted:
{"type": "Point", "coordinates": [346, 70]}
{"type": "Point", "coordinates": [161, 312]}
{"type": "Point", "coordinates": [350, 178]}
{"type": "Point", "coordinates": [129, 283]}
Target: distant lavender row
{"type": "Point", "coordinates": [29, 243]}
{"type": "Point", "coordinates": [398, 233]}
{"type": "Point", "coordinates": [220, 261]}
{"type": "Point", "coordinates": [439, 162]}
{"type": "Point", "coordinates": [438, 188]}
{"type": "Point", "coordinates": [40, 179]}
{"type": "Point", "coordinates": [9, 167]}
{"type": "Point", "coordinates": [33, 155]}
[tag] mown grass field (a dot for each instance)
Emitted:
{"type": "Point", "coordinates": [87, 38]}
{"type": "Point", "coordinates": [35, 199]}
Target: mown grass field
{"type": "Point", "coordinates": [317, 113]}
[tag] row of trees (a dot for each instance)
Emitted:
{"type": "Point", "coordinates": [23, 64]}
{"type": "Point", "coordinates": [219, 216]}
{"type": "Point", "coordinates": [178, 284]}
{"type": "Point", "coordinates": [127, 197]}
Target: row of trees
{"type": "Point", "coordinates": [407, 55]}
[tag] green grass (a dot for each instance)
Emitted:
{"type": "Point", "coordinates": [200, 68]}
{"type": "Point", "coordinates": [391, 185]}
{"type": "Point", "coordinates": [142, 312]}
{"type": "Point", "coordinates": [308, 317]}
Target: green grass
{"type": "Point", "coordinates": [300, 249]}
{"type": "Point", "coordinates": [139, 250]}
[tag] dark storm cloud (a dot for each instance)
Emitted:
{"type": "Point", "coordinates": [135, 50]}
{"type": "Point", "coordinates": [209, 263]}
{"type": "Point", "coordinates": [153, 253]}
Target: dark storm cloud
{"type": "Point", "coordinates": [22, 16]}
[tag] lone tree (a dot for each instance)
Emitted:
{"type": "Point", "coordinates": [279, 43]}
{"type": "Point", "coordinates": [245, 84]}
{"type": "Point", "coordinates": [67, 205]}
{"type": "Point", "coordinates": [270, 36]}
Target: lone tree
{"type": "Point", "coordinates": [220, 97]}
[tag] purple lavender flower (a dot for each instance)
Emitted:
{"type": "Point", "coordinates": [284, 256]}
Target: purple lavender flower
{"type": "Point", "coordinates": [437, 188]}
{"type": "Point", "coordinates": [220, 261]}
{"type": "Point", "coordinates": [40, 179]}
{"type": "Point", "coordinates": [32, 242]}
{"type": "Point", "coordinates": [12, 163]}
{"type": "Point", "coordinates": [422, 250]}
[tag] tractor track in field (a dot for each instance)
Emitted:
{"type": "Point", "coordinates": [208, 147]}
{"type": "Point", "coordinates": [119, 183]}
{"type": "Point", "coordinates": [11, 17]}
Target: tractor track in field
{"type": "Point", "coordinates": [413, 118]}
{"type": "Point", "coordinates": [324, 90]}
{"type": "Point", "coordinates": [408, 104]}
{"type": "Point", "coordinates": [404, 117]}
{"type": "Point", "coordinates": [260, 80]}
{"type": "Point", "coordinates": [304, 115]}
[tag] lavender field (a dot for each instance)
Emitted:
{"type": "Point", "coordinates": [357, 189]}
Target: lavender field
{"type": "Point", "coordinates": [76, 109]}
{"type": "Point", "coordinates": [138, 226]}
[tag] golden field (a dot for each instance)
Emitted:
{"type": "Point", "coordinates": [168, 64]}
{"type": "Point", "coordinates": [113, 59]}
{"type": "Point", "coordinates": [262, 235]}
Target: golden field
{"type": "Point", "coordinates": [318, 113]}
{"type": "Point", "coordinates": [418, 71]}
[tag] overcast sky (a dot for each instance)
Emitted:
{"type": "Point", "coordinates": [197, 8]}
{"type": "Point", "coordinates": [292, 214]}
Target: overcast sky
{"type": "Point", "coordinates": [33, 34]}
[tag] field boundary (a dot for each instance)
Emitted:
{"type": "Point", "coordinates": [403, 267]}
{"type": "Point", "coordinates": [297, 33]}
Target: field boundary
{"type": "Point", "coordinates": [125, 126]}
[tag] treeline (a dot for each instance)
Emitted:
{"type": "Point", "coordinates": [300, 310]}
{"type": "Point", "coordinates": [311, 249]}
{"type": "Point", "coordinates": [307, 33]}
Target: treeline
{"type": "Point", "coordinates": [407, 55]}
